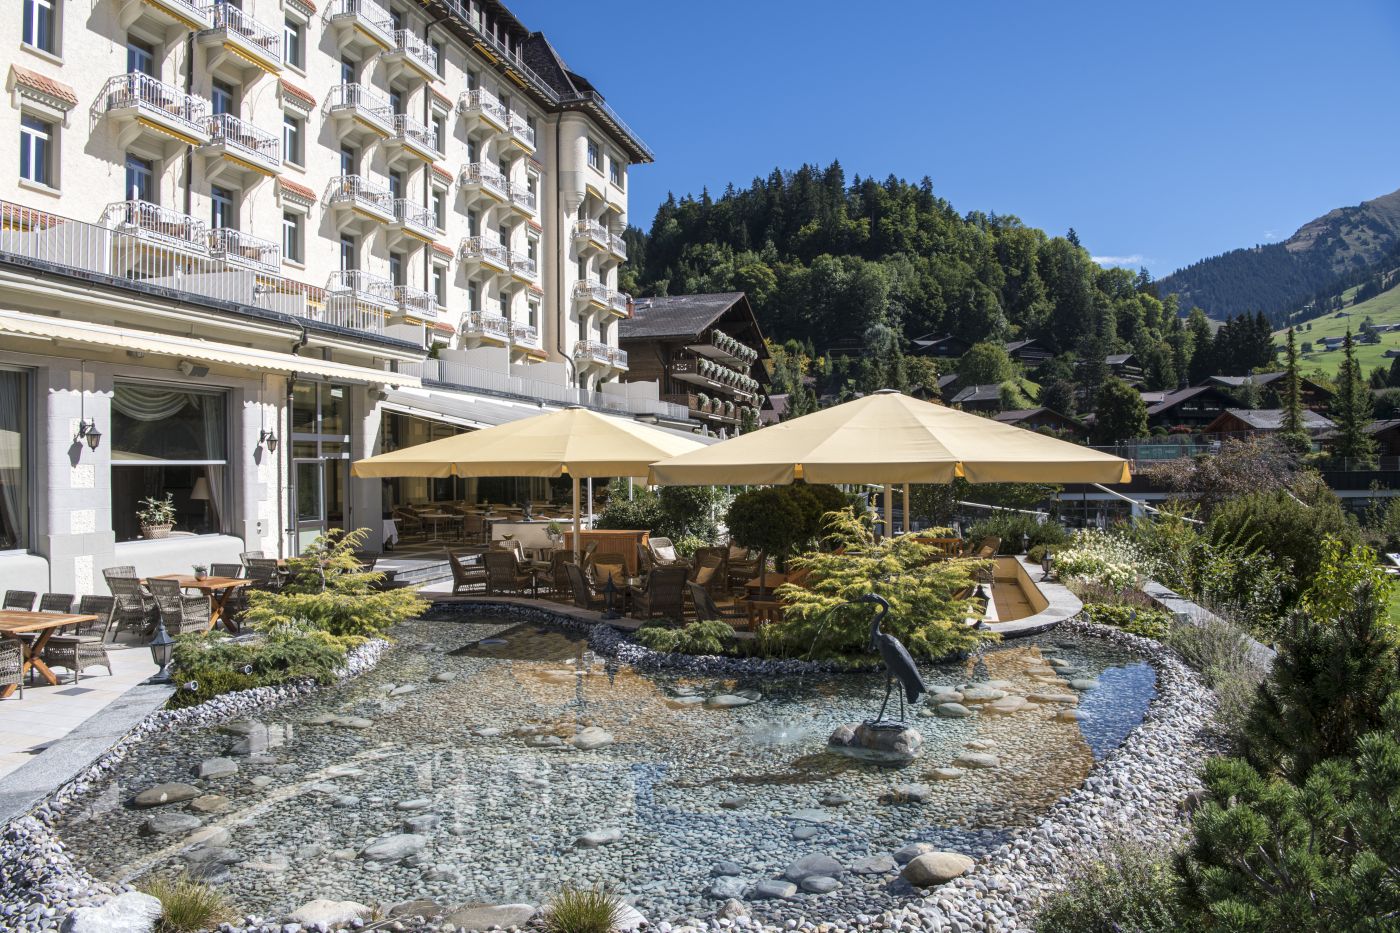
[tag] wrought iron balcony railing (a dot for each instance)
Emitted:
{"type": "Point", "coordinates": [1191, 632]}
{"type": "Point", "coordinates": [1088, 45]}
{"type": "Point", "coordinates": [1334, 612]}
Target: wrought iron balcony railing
{"type": "Point", "coordinates": [265, 40]}
{"type": "Point", "coordinates": [414, 131]}
{"type": "Point", "coordinates": [406, 43]}
{"type": "Point", "coordinates": [143, 93]}
{"type": "Point", "coordinates": [485, 324]}
{"type": "Point", "coordinates": [483, 103]}
{"type": "Point", "coordinates": [153, 222]}
{"type": "Point", "coordinates": [253, 143]}
{"type": "Point", "coordinates": [484, 249]}
{"type": "Point", "coordinates": [361, 192]}
{"type": "Point", "coordinates": [244, 249]}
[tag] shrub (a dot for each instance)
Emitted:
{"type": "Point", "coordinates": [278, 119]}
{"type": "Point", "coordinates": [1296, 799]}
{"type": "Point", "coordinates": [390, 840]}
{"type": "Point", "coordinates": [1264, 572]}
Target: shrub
{"type": "Point", "coordinates": [1011, 527]}
{"type": "Point", "coordinates": [640, 509]}
{"type": "Point", "coordinates": [781, 520]}
{"type": "Point", "coordinates": [1102, 559]}
{"type": "Point", "coordinates": [1219, 651]}
{"type": "Point", "coordinates": [712, 637]}
{"type": "Point", "coordinates": [1130, 888]}
{"type": "Point", "coordinates": [328, 591]}
{"type": "Point", "coordinates": [583, 910]}
{"type": "Point", "coordinates": [188, 906]}
{"type": "Point", "coordinates": [283, 653]}
{"type": "Point", "coordinates": [1137, 620]}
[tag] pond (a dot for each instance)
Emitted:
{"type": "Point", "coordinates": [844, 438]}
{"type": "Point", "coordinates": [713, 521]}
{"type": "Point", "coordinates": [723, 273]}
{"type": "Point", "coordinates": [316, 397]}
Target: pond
{"type": "Point", "coordinates": [488, 761]}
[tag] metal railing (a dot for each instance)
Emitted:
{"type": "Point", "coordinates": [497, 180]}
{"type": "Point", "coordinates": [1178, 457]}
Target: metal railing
{"type": "Point", "coordinates": [355, 286]}
{"type": "Point", "coordinates": [525, 334]}
{"type": "Point", "coordinates": [411, 214]}
{"type": "Point", "coordinates": [617, 358]}
{"type": "Point", "coordinates": [253, 143]}
{"type": "Point", "coordinates": [591, 291]}
{"type": "Point", "coordinates": [408, 44]}
{"type": "Point", "coordinates": [362, 10]}
{"type": "Point", "coordinates": [415, 131]}
{"type": "Point", "coordinates": [485, 324]}
{"type": "Point", "coordinates": [592, 230]}
{"type": "Point", "coordinates": [617, 246]}
{"type": "Point", "coordinates": [244, 249]}
{"type": "Point", "coordinates": [522, 196]}
{"type": "Point", "coordinates": [415, 301]}
{"type": "Point", "coordinates": [149, 95]}
{"type": "Point", "coordinates": [483, 249]}
{"type": "Point", "coordinates": [594, 351]}
{"type": "Point", "coordinates": [522, 130]}
{"type": "Point", "coordinates": [619, 301]}
{"type": "Point", "coordinates": [523, 265]}
{"type": "Point", "coordinates": [125, 252]}
{"type": "Point", "coordinates": [152, 222]}
{"type": "Point", "coordinates": [229, 17]}
{"type": "Point", "coordinates": [362, 99]}
{"type": "Point", "coordinates": [355, 189]}
{"type": "Point", "coordinates": [190, 9]}
{"type": "Point", "coordinates": [484, 175]}
{"type": "Point", "coordinates": [484, 103]}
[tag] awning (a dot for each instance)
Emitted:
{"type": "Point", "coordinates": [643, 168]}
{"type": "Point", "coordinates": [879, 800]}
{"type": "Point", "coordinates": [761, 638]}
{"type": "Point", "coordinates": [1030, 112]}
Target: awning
{"type": "Point", "coordinates": [193, 348]}
{"type": "Point", "coordinates": [460, 408]}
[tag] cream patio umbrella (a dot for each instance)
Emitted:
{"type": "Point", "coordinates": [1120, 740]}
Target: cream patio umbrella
{"type": "Point", "coordinates": [892, 439]}
{"type": "Point", "coordinates": [573, 441]}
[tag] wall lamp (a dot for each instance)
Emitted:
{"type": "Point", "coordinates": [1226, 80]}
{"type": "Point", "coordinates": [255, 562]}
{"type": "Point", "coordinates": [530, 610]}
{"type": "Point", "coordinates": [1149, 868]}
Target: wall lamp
{"type": "Point", "coordinates": [87, 431]}
{"type": "Point", "coordinates": [268, 440]}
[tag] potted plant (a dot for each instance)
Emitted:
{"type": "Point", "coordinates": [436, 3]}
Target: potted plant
{"type": "Point", "coordinates": [201, 571]}
{"type": "Point", "coordinates": [157, 516]}
{"type": "Point", "coordinates": [555, 533]}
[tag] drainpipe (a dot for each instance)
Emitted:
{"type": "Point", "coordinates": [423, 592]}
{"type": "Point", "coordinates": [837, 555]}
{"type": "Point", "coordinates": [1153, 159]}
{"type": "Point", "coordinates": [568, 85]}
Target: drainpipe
{"type": "Point", "coordinates": [189, 150]}
{"type": "Point", "coordinates": [559, 266]}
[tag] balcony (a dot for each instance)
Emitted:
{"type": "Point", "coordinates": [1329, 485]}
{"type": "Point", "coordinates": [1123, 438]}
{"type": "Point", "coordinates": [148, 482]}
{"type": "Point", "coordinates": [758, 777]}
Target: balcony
{"type": "Point", "coordinates": [481, 179]}
{"type": "Point", "coordinates": [409, 56]}
{"type": "Point", "coordinates": [155, 224]}
{"type": "Point", "coordinates": [360, 26]}
{"type": "Point", "coordinates": [525, 336]}
{"type": "Point", "coordinates": [412, 139]}
{"type": "Point", "coordinates": [478, 326]}
{"type": "Point", "coordinates": [415, 303]}
{"type": "Point", "coordinates": [486, 113]}
{"type": "Point", "coordinates": [484, 254]}
{"type": "Point", "coordinates": [617, 358]}
{"type": "Point", "coordinates": [617, 246]}
{"type": "Point", "coordinates": [713, 377]}
{"type": "Point", "coordinates": [593, 353]}
{"type": "Point", "coordinates": [236, 39]}
{"type": "Point", "coordinates": [358, 202]}
{"type": "Point", "coordinates": [243, 249]}
{"type": "Point", "coordinates": [591, 293]}
{"type": "Point", "coordinates": [519, 134]}
{"type": "Point", "coordinates": [620, 303]}
{"type": "Point", "coordinates": [523, 199]}
{"type": "Point", "coordinates": [239, 148]}
{"type": "Point", "coordinates": [141, 107]}
{"type": "Point", "coordinates": [589, 236]}
{"type": "Point", "coordinates": [163, 14]}
{"type": "Point", "coordinates": [524, 267]}
{"type": "Point", "coordinates": [353, 295]}
{"type": "Point", "coordinates": [360, 113]}
{"type": "Point", "coordinates": [412, 220]}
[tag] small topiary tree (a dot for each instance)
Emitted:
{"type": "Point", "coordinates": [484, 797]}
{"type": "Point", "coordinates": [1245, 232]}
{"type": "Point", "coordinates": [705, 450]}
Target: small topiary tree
{"type": "Point", "coordinates": [767, 520]}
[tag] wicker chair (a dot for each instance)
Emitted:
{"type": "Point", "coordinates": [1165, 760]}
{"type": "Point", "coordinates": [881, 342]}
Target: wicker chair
{"type": "Point", "coordinates": [251, 555]}
{"type": "Point", "coordinates": [503, 574]}
{"type": "Point", "coordinates": [559, 584]}
{"type": "Point", "coordinates": [744, 569]}
{"type": "Point", "coordinates": [474, 528]}
{"type": "Point", "coordinates": [713, 564]}
{"type": "Point", "coordinates": [84, 649]}
{"type": "Point", "coordinates": [125, 570]}
{"type": "Point", "coordinates": [468, 573]}
{"type": "Point", "coordinates": [663, 594]}
{"type": "Point", "coordinates": [22, 600]}
{"type": "Point", "coordinates": [706, 608]}
{"type": "Point", "coordinates": [264, 573]}
{"type": "Point", "coordinates": [180, 613]}
{"type": "Point", "coordinates": [56, 602]}
{"type": "Point", "coordinates": [584, 596]}
{"type": "Point", "coordinates": [11, 663]}
{"type": "Point", "coordinates": [608, 565]}
{"type": "Point", "coordinates": [135, 609]}
{"type": "Point", "coordinates": [663, 553]}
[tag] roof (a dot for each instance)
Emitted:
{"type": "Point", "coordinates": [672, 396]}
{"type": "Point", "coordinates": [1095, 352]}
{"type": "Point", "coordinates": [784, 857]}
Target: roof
{"type": "Point", "coordinates": [1172, 399]}
{"type": "Point", "coordinates": [1117, 359]}
{"type": "Point", "coordinates": [290, 89]}
{"type": "Point", "coordinates": [680, 316]}
{"type": "Point", "coordinates": [1377, 427]}
{"type": "Point", "coordinates": [573, 88]}
{"type": "Point", "coordinates": [946, 380]}
{"type": "Point", "coordinates": [988, 392]}
{"type": "Point", "coordinates": [292, 188]}
{"type": "Point", "coordinates": [1271, 419]}
{"type": "Point", "coordinates": [1018, 415]}
{"type": "Point", "coordinates": [44, 85]}
{"type": "Point", "coordinates": [934, 340]}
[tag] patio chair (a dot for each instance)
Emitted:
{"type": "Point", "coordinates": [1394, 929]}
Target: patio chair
{"type": "Point", "coordinates": [264, 573]}
{"type": "Point", "coordinates": [474, 528]}
{"type": "Point", "coordinates": [663, 594]}
{"type": "Point", "coordinates": [609, 565]}
{"type": "Point", "coordinates": [124, 570]}
{"type": "Point", "coordinates": [743, 567]}
{"type": "Point", "coordinates": [987, 548]}
{"type": "Point", "coordinates": [711, 563]}
{"type": "Point", "coordinates": [11, 663]}
{"type": "Point", "coordinates": [135, 609]}
{"type": "Point", "coordinates": [251, 555]}
{"type": "Point", "coordinates": [23, 600]}
{"type": "Point", "coordinates": [84, 649]}
{"type": "Point", "coordinates": [584, 595]}
{"type": "Point", "coordinates": [180, 613]}
{"type": "Point", "coordinates": [468, 573]}
{"type": "Point", "coordinates": [237, 603]}
{"type": "Point", "coordinates": [558, 574]}
{"type": "Point", "coordinates": [663, 553]}
{"type": "Point", "coordinates": [646, 563]}
{"type": "Point", "coordinates": [503, 574]}
{"type": "Point", "coordinates": [234, 571]}
{"type": "Point", "coordinates": [408, 522]}
{"type": "Point", "coordinates": [56, 602]}
{"type": "Point", "coordinates": [707, 609]}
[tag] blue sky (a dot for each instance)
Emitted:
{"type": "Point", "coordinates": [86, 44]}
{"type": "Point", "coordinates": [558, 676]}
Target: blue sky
{"type": "Point", "coordinates": [1163, 133]}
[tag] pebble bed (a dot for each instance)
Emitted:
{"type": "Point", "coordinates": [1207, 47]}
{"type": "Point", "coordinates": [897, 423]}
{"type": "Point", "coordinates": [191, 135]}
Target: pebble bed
{"type": "Point", "coordinates": [1133, 788]}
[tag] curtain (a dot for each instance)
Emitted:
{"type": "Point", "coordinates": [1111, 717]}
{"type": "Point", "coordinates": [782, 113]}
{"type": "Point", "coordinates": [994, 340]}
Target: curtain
{"type": "Point", "coordinates": [212, 407]}
{"type": "Point", "coordinates": [148, 403]}
{"type": "Point", "coordinates": [12, 511]}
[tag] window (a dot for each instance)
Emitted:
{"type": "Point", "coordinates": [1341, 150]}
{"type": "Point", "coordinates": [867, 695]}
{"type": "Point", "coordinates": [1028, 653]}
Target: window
{"type": "Point", "coordinates": [473, 223]}
{"type": "Point", "coordinates": [223, 209]}
{"type": "Point", "coordinates": [439, 133]}
{"type": "Point", "coordinates": [14, 460]}
{"type": "Point", "coordinates": [615, 173]}
{"type": "Point", "coordinates": [396, 185]}
{"type": "Point", "coordinates": [583, 270]}
{"type": "Point", "coordinates": [440, 209]}
{"type": "Point", "coordinates": [396, 268]}
{"type": "Point", "coordinates": [349, 159]}
{"type": "Point", "coordinates": [347, 70]}
{"type": "Point", "coordinates": [471, 151]}
{"type": "Point", "coordinates": [396, 20]}
{"type": "Point", "coordinates": [140, 57]}
{"type": "Point", "coordinates": [292, 48]}
{"type": "Point", "coordinates": [505, 305]}
{"type": "Point", "coordinates": [291, 139]}
{"type": "Point", "coordinates": [349, 253]}
{"type": "Point", "coordinates": [474, 296]}
{"type": "Point", "coordinates": [440, 286]}
{"type": "Point", "coordinates": [222, 98]}
{"type": "Point", "coordinates": [169, 439]}
{"type": "Point", "coordinates": [440, 51]}
{"type": "Point", "coordinates": [595, 156]}
{"type": "Point", "coordinates": [36, 139]}
{"type": "Point", "coordinates": [141, 179]}
{"type": "Point", "coordinates": [291, 237]}
{"type": "Point", "coordinates": [473, 80]}
{"type": "Point", "coordinates": [41, 25]}
{"type": "Point", "coordinates": [534, 307]}
{"type": "Point", "coordinates": [396, 101]}
{"type": "Point", "coordinates": [532, 249]}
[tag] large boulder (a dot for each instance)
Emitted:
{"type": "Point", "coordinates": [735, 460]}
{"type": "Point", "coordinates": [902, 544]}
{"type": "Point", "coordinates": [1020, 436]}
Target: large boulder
{"type": "Point", "coordinates": [394, 847]}
{"type": "Point", "coordinates": [810, 865]}
{"type": "Point", "coordinates": [885, 744]}
{"type": "Point", "coordinates": [165, 794]}
{"type": "Point", "coordinates": [933, 868]}
{"type": "Point", "coordinates": [503, 916]}
{"type": "Point", "coordinates": [132, 912]}
{"type": "Point", "coordinates": [329, 914]}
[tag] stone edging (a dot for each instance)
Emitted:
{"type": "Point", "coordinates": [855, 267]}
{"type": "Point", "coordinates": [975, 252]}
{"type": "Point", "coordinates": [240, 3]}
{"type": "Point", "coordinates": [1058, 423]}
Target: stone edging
{"type": "Point", "coordinates": [1185, 611]}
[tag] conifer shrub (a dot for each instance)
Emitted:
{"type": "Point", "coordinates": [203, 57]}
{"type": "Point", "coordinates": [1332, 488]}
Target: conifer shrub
{"type": "Point", "coordinates": [714, 636]}
{"type": "Point", "coordinates": [1127, 887]}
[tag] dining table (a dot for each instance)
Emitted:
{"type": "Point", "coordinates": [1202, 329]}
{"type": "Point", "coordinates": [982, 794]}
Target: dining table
{"type": "Point", "coordinates": [43, 624]}
{"type": "Point", "coordinates": [218, 589]}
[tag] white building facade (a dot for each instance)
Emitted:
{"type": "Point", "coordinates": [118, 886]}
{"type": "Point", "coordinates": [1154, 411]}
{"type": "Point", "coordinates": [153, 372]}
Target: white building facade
{"type": "Point", "coordinates": [240, 236]}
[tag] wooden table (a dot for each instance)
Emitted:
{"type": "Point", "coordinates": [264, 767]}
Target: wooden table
{"type": "Point", "coordinates": [947, 547]}
{"type": "Point", "coordinates": [765, 583]}
{"type": "Point", "coordinates": [14, 622]}
{"type": "Point", "coordinates": [217, 588]}
{"type": "Point", "coordinates": [761, 609]}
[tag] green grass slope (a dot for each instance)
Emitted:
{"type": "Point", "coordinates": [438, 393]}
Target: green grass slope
{"type": "Point", "coordinates": [1381, 309]}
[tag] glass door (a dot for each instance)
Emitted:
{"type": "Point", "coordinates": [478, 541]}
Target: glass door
{"type": "Point", "coordinates": [320, 460]}
{"type": "Point", "coordinates": [321, 486]}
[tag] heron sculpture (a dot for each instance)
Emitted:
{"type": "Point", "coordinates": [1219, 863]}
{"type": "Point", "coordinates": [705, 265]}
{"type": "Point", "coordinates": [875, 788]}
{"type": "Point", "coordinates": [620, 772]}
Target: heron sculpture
{"type": "Point", "coordinates": [898, 662]}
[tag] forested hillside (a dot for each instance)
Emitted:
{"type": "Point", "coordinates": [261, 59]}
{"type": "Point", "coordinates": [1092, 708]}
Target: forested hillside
{"type": "Point", "coordinates": [1337, 250]}
{"type": "Point", "coordinates": [871, 264]}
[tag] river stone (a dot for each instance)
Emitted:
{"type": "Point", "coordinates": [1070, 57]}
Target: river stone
{"type": "Point", "coordinates": [544, 741]}
{"type": "Point", "coordinates": [440, 873]}
{"type": "Point", "coordinates": [590, 738]}
{"type": "Point", "coordinates": [809, 815]}
{"type": "Point", "coordinates": [1058, 662]}
{"type": "Point", "coordinates": [417, 803]}
{"type": "Point", "coordinates": [419, 907]}
{"type": "Point", "coordinates": [598, 837]}
{"type": "Point", "coordinates": [1006, 705]}
{"type": "Point", "coordinates": [209, 863]}
{"type": "Point", "coordinates": [241, 727]}
{"type": "Point", "coordinates": [876, 744]}
{"type": "Point", "coordinates": [1084, 683]}
{"type": "Point", "coordinates": [164, 794]}
{"type": "Point", "coordinates": [732, 910]}
{"type": "Point", "coordinates": [722, 889]}
{"type": "Point", "coordinates": [345, 800]}
{"type": "Point", "coordinates": [489, 732]}
{"type": "Point", "coordinates": [874, 865]}
{"type": "Point", "coordinates": [684, 701]}
{"type": "Point", "coordinates": [1070, 715]}
{"type": "Point", "coordinates": [732, 803]}
{"type": "Point", "coordinates": [933, 868]}
{"type": "Point", "coordinates": [504, 916]}
{"type": "Point", "coordinates": [444, 677]}
{"type": "Point", "coordinates": [810, 865]}
{"type": "Point", "coordinates": [946, 774]}
{"type": "Point", "coordinates": [820, 884]}
{"type": "Point", "coordinates": [1068, 698]}
{"type": "Point", "coordinates": [976, 760]}
{"type": "Point", "coordinates": [394, 847]}
{"type": "Point", "coordinates": [628, 919]}
{"type": "Point", "coordinates": [402, 690]}
{"type": "Point", "coordinates": [953, 711]}
{"type": "Point", "coordinates": [273, 863]}
{"type": "Point", "coordinates": [773, 890]}
{"type": "Point", "coordinates": [167, 822]}
{"type": "Point", "coordinates": [912, 851]}
{"type": "Point", "coordinates": [352, 722]}
{"type": "Point", "coordinates": [726, 869]}
{"type": "Point", "coordinates": [132, 912]}
{"type": "Point", "coordinates": [209, 803]}
{"type": "Point", "coordinates": [982, 695]}
{"type": "Point", "coordinates": [908, 793]}
{"type": "Point", "coordinates": [979, 745]}
{"type": "Point", "coordinates": [421, 823]}
{"type": "Point", "coordinates": [216, 768]}
{"type": "Point", "coordinates": [261, 781]}
{"type": "Point", "coordinates": [806, 831]}
{"type": "Point", "coordinates": [320, 719]}
{"type": "Point", "coordinates": [208, 836]}
{"type": "Point", "coordinates": [834, 800]}
{"type": "Point", "coordinates": [729, 701]}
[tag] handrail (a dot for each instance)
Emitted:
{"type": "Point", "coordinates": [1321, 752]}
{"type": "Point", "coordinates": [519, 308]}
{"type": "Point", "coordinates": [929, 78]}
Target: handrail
{"type": "Point", "coordinates": [362, 285]}
{"type": "Point", "coordinates": [158, 222]}
{"type": "Point", "coordinates": [483, 247]}
{"type": "Point", "coordinates": [227, 16]}
{"type": "Point", "coordinates": [415, 301]}
{"type": "Point", "coordinates": [411, 212]}
{"type": "Point", "coordinates": [483, 173]}
{"type": "Point", "coordinates": [244, 249]}
{"type": "Point", "coordinates": [408, 43]}
{"type": "Point", "coordinates": [485, 322]}
{"type": "Point", "coordinates": [358, 188]}
{"type": "Point", "coordinates": [359, 97]}
{"type": "Point", "coordinates": [233, 131]}
{"type": "Point", "coordinates": [523, 196]}
{"type": "Point", "coordinates": [485, 102]}
{"type": "Point", "coordinates": [407, 127]}
{"type": "Point", "coordinates": [140, 90]}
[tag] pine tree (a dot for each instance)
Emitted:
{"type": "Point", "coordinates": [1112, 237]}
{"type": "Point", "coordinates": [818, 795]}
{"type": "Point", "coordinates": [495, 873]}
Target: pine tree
{"type": "Point", "coordinates": [1291, 397]}
{"type": "Point", "coordinates": [1394, 380]}
{"type": "Point", "coordinates": [1352, 410]}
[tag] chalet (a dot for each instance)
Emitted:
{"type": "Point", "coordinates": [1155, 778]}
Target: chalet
{"type": "Point", "coordinates": [705, 351]}
{"type": "Point", "coordinates": [1385, 433]}
{"type": "Point", "coordinates": [1045, 420]}
{"type": "Point", "coordinates": [1125, 366]}
{"type": "Point", "coordinates": [1027, 352]}
{"type": "Point", "coordinates": [775, 408]}
{"type": "Point", "coordinates": [1315, 395]}
{"type": "Point", "coordinates": [1254, 421]}
{"type": "Point", "coordinates": [1194, 408]}
{"type": "Point", "coordinates": [947, 346]}
{"type": "Point", "coordinates": [1332, 343]}
{"type": "Point", "coordinates": [979, 398]}
{"type": "Point", "coordinates": [948, 385]}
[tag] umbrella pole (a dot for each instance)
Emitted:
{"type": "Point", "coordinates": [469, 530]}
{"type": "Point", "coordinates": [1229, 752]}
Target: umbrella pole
{"type": "Point", "coordinates": [889, 511]}
{"type": "Point", "coordinates": [907, 526]}
{"type": "Point", "coordinates": [578, 532]}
